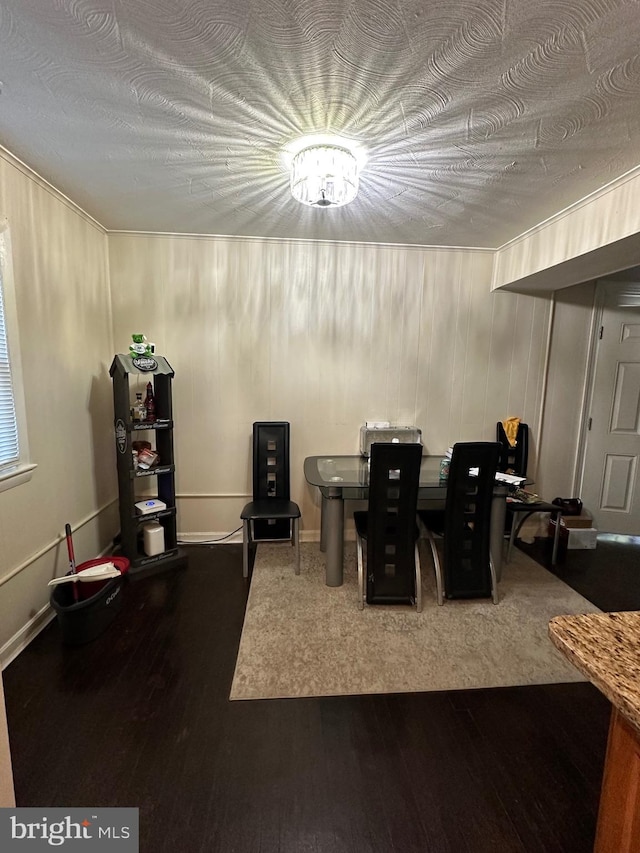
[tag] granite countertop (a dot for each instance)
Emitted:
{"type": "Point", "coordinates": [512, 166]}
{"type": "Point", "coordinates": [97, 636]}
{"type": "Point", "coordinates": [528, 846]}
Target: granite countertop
{"type": "Point", "coordinates": [606, 648]}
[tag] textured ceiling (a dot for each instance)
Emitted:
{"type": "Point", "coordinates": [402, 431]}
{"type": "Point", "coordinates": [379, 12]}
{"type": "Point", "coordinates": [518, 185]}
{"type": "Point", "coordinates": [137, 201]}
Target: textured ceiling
{"type": "Point", "coordinates": [480, 118]}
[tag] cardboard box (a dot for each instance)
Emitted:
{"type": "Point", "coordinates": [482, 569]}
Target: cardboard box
{"type": "Point", "coordinates": [570, 522]}
{"type": "Point", "coordinates": [575, 536]}
{"type": "Point", "coordinates": [577, 521]}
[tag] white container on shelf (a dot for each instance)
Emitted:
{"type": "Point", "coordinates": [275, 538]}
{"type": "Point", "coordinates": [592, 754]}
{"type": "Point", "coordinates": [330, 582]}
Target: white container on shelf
{"type": "Point", "coordinates": [153, 537]}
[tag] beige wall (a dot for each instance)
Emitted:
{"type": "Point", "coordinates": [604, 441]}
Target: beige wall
{"type": "Point", "coordinates": [324, 336]}
{"type": "Point", "coordinates": [64, 315]}
{"type": "Point", "coordinates": [556, 472]}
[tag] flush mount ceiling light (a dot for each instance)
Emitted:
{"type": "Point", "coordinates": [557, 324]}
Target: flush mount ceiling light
{"type": "Point", "coordinates": [324, 173]}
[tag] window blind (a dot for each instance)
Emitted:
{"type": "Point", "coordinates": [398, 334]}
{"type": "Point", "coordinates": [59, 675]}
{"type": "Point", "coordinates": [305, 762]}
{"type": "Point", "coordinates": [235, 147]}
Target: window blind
{"type": "Point", "coordinates": [9, 448]}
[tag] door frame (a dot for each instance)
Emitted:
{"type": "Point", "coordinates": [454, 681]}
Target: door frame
{"type": "Point", "coordinates": [589, 382]}
{"type": "Point", "coordinates": [590, 373]}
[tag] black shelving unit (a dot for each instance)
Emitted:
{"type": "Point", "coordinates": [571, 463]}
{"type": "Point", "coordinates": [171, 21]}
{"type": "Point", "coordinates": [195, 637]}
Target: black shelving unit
{"type": "Point", "coordinates": [129, 375]}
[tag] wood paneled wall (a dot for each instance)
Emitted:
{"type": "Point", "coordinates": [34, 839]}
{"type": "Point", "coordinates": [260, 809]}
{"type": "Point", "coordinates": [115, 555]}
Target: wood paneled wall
{"type": "Point", "coordinates": [64, 315]}
{"type": "Point", "coordinates": [325, 336]}
{"type": "Point", "coordinates": [557, 474]}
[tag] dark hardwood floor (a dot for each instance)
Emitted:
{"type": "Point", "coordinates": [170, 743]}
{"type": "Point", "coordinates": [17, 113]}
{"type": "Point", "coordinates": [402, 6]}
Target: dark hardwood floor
{"type": "Point", "coordinates": [141, 717]}
{"type": "Point", "coordinates": [608, 575]}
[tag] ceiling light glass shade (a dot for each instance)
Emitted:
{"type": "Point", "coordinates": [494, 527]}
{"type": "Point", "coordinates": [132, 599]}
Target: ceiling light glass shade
{"type": "Point", "coordinates": [324, 176]}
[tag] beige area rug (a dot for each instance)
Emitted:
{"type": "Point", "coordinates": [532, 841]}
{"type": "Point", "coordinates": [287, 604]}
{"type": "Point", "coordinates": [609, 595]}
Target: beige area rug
{"type": "Point", "coordinates": [302, 638]}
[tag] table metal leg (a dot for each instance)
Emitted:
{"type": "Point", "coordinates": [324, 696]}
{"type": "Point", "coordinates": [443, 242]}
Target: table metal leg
{"type": "Point", "coordinates": [498, 513]}
{"type": "Point", "coordinates": [334, 539]}
{"type": "Point", "coordinates": [556, 538]}
{"type": "Point", "coordinates": [512, 534]}
{"type": "Point", "coordinates": [520, 518]}
{"type": "Point", "coordinates": [323, 526]}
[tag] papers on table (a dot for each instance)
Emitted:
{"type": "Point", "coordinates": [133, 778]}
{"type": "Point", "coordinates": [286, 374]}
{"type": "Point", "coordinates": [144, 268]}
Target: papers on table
{"type": "Point", "coordinates": [511, 479]}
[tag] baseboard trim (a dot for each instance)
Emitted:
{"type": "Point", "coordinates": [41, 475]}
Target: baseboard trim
{"type": "Point", "coordinates": [21, 639]}
{"type": "Point", "coordinates": [236, 537]}
{"type": "Point", "coordinates": [213, 538]}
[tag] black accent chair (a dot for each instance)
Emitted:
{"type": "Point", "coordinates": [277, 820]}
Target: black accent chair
{"type": "Point", "coordinates": [389, 529]}
{"type": "Point", "coordinates": [465, 524]}
{"type": "Point", "coordinates": [271, 516]}
{"type": "Point", "coordinates": [515, 460]}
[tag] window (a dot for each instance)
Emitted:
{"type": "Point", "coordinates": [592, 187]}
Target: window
{"type": "Point", "coordinates": [9, 446]}
{"type": "Point", "coordinates": [15, 467]}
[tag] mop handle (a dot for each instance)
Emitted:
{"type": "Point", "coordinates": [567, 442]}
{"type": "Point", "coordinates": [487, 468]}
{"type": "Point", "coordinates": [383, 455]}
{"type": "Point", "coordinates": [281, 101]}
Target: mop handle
{"type": "Point", "coordinates": [72, 559]}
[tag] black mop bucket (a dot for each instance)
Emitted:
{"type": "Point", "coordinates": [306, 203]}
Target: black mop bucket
{"type": "Point", "coordinates": [97, 606]}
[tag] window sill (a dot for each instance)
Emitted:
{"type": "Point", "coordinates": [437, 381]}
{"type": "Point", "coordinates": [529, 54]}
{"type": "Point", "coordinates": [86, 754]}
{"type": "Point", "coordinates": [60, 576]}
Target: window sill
{"type": "Point", "coordinates": [16, 476]}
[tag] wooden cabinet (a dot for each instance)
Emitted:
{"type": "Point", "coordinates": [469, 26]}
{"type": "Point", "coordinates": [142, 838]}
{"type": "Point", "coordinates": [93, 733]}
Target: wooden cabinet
{"type": "Point", "coordinates": [136, 485]}
{"type": "Point", "coordinates": [619, 814]}
{"type": "Point", "coordinates": [606, 648]}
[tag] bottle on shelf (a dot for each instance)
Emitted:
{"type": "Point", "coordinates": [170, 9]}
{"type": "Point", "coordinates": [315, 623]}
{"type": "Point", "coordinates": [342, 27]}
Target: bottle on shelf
{"type": "Point", "coordinates": [150, 404]}
{"type": "Point", "coordinates": [139, 410]}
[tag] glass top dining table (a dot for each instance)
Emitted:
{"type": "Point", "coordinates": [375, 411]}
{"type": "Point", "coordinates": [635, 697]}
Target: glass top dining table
{"type": "Point", "coordinates": [350, 475]}
{"type": "Point", "coordinates": [341, 478]}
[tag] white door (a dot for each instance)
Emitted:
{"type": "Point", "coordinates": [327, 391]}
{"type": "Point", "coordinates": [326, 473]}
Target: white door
{"type": "Point", "coordinates": [611, 483]}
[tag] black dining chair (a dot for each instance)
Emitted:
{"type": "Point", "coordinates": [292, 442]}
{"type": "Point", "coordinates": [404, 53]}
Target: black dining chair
{"type": "Point", "coordinates": [387, 532]}
{"type": "Point", "coordinates": [271, 516]}
{"type": "Point", "coordinates": [465, 524]}
{"type": "Point", "coordinates": [514, 458]}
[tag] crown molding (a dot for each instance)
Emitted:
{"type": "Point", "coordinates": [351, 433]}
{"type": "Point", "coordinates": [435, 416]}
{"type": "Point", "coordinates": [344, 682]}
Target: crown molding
{"type": "Point", "coordinates": [618, 182]}
{"type": "Point", "coordinates": [299, 241]}
{"type": "Point", "coordinates": [44, 184]}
